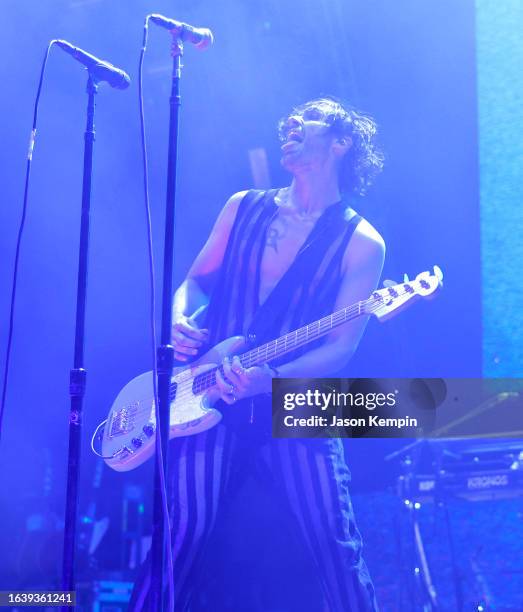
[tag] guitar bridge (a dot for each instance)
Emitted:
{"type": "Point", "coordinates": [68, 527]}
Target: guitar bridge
{"type": "Point", "coordinates": [122, 420]}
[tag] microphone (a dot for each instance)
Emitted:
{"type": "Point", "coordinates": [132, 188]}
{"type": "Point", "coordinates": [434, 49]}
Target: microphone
{"type": "Point", "coordinates": [102, 71]}
{"type": "Point", "coordinates": [200, 37]}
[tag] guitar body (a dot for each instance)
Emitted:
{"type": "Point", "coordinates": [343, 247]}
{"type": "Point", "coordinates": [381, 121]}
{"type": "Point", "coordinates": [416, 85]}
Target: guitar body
{"type": "Point", "coordinates": [129, 432]}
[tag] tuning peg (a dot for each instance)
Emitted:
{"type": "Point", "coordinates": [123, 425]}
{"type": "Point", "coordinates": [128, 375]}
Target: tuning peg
{"type": "Point", "coordinates": [389, 283]}
{"type": "Point", "coordinates": [405, 278]}
{"type": "Point", "coordinates": [438, 273]}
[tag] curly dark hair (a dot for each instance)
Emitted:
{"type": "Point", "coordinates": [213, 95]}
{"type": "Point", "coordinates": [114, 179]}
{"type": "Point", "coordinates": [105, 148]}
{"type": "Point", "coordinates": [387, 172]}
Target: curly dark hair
{"type": "Point", "coordinates": [364, 160]}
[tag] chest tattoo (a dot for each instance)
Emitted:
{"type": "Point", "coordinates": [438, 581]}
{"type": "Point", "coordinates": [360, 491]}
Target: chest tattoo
{"type": "Point", "coordinates": [277, 233]}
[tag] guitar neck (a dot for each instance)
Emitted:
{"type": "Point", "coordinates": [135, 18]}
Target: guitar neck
{"type": "Point", "coordinates": [285, 344]}
{"type": "Point", "coordinates": [300, 337]}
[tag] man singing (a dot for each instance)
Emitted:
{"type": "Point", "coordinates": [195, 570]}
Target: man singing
{"type": "Point", "coordinates": [273, 262]}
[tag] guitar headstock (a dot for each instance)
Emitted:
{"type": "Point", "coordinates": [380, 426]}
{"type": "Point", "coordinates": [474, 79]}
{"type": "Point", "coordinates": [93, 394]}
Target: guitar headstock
{"type": "Point", "coordinates": [385, 303]}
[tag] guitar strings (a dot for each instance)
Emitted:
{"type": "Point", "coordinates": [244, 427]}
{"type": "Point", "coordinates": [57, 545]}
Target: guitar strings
{"type": "Point", "coordinates": [372, 303]}
{"type": "Point", "coordinates": [208, 376]}
{"type": "Point", "coordinates": [187, 391]}
{"type": "Point", "coordinates": [301, 338]}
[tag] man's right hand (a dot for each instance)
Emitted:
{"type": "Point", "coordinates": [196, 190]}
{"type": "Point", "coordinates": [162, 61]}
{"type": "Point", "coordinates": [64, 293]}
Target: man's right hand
{"type": "Point", "coordinates": [187, 338]}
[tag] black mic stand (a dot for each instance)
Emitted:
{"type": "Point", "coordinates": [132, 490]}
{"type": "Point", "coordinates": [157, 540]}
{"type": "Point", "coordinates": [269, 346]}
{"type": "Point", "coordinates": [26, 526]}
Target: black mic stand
{"type": "Point", "coordinates": [77, 378]}
{"type": "Point", "coordinates": [165, 354]}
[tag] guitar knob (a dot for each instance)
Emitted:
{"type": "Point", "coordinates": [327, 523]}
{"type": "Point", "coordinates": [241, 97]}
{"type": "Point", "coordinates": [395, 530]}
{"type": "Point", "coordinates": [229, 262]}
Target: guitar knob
{"type": "Point", "coordinates": [136, 442]}
{"type": "Point", "coordinates": [148, 430]}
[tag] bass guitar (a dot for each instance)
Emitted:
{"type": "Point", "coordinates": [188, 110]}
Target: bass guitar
{"type": "Point", "coordinates": [127, 436]}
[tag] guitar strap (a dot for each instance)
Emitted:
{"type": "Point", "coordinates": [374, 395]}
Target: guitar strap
{"type": "Point", "coordinates": [329, 227]}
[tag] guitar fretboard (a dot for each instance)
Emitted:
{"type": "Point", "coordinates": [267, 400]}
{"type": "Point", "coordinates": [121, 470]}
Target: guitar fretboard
{"type": "Point", "coordinates": [289, 342]}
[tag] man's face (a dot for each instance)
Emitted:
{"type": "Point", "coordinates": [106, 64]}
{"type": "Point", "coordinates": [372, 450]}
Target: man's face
{"type": "Point", "coordinates": [306, 140]}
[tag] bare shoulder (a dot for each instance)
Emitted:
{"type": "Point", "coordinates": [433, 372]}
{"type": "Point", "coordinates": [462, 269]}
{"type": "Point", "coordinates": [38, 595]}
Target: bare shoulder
{"type": "Point", "coordinates": [366, 247]}
{"type": "Point", "coordinates": [227, 215]}
{"type": "Point", "coordinates": [236, 198]}
{"type": "Point", "coordinates": [211, 255]}
{"type": "Point", "coordinates": [366, 235]}
{"type": "Point", "coordinates": [232, 204]}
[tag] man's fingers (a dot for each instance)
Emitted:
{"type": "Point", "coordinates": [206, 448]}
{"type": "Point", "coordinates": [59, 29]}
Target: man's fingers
{"type": "Point", "coordinates": [236, 366]}
{"type": "Point", "coordinates": [187, 338]}
{"type": "Point", "coordinates": [187, 352]}
{"type": "Point", "coordinates": [223, 385]}
{"type": "Point", "coordinates": [232, 374]}
{"type": "Point", "coordinates": [227, 390]}
{"type": "Point", "coordinates": [239, 376]}
{"type": "Point", "coordinates": [191, 331]}
{"type": "Point", "coordinates": [181, 348]}
{"type": "Point", "coordinates": [182, 340]}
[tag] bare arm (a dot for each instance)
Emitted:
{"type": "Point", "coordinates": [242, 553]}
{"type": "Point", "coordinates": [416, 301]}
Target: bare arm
{"type": "Point", "coordinates": [208, 261]}
{"type": "Point", "coordinates": [195, 290]}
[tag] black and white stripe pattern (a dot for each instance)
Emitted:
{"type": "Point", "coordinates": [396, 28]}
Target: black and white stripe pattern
{"type": "Point", "coordinates": [312, 476]}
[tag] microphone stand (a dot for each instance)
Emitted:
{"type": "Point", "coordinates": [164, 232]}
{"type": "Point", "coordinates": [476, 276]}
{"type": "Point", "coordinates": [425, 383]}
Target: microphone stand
{"type": "Point", "coordinates": [165, 353]}
{"type": "Point", "coordinates": [77, 379]}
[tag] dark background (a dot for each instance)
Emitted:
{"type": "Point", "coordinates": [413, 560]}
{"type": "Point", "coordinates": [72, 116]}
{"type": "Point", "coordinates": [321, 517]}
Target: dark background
{"type": "Point", "coordinates": [410, 64]}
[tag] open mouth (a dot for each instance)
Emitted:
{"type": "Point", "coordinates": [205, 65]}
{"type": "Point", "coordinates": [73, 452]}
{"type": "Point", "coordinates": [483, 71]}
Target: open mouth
{"type": "Point", "coordinates": [292, 139]}
{"type": "Point", "coordinates": [294, 136]}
